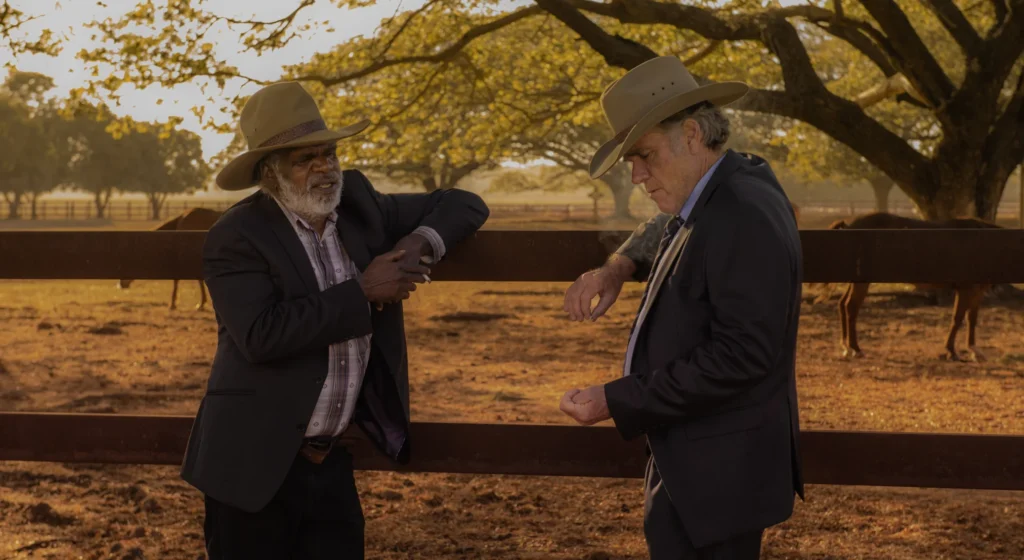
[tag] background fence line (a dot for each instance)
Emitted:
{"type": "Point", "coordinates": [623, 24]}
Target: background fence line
{"type": "Point", "coordinates": [140, 210]}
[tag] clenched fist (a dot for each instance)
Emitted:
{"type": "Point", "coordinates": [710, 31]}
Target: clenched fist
{"type": "Point", "coordinates": [388, 279]}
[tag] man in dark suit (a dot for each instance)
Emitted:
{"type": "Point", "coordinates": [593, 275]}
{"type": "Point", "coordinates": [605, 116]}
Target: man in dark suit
{"type": "Point", "coordinates": [709, 376]}
{"type": "Point", "coordinates": [307, 278]}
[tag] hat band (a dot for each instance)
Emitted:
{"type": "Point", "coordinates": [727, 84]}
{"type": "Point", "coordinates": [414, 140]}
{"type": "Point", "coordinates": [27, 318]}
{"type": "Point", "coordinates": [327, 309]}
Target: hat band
{"type": "Point", "coordinates": [294, 133]}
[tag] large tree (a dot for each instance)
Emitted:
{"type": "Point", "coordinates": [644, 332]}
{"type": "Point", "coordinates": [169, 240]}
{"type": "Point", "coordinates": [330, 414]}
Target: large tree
{"type": "Point", "coordinates": [976, 103]}
{"type": "Point", "coordinates": [166, 160]}
{"type": "Point", "coordinates": [35, 147]}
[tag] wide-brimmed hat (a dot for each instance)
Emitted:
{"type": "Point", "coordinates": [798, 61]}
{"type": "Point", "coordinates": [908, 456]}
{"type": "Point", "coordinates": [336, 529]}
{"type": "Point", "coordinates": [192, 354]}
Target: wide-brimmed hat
{"type": "Point", "coordinates": [647, 95]}
{"type": "Point", "coordinates": [279, 116]}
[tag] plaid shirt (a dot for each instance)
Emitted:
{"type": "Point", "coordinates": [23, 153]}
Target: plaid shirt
{"type": "Point", "coordinates": [347, 359]}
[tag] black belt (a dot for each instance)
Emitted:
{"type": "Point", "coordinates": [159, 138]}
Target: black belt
{"type": "Point", "coordinates": [316, 449]}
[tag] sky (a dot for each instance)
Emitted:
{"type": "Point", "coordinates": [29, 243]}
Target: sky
{"type": "Point", "coordinates": [65, 19]}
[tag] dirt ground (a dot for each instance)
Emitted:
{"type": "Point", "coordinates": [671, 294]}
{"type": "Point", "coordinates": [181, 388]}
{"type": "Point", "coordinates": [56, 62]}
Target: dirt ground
{"type": "Point", "coordinates": [84, 346]}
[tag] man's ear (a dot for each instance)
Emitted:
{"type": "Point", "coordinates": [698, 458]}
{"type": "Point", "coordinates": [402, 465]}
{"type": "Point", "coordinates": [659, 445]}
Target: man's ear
{"type": "Point", "coordinates": [693, 136]}
{"type": "Point", "coordinates": [267, 177]}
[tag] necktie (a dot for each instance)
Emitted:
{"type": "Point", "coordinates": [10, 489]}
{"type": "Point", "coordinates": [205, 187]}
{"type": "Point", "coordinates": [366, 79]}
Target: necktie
{"type": "Point", "coordinates": [671, 229]}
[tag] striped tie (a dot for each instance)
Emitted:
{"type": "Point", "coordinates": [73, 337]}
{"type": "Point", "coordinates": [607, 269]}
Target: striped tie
{"type": "Point", "coordinates": [671, 229]}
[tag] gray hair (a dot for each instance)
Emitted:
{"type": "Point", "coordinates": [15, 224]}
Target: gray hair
{"type": "Point", "coordinates": [713, 124]}
{"type": "Point", "coordinates": [267, 182]}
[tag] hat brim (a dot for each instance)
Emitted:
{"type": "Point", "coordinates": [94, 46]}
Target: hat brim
{"type": "Point", "coordinates": [719, 94]}
{"type": "Point", "coordinates": [238, 173]}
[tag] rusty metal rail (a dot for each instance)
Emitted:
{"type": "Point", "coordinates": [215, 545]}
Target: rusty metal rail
{"type": "Point", "coordinates": [995, 256]}
{"type": "Point", "coordinates": [847, 458]}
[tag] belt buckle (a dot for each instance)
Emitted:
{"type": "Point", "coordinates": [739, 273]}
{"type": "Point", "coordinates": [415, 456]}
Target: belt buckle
{"type": "Point", "coordinates": [315, 453]}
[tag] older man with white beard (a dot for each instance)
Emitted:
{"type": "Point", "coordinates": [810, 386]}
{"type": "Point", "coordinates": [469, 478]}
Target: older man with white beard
{"type": "Point", "coordinates": [307, 278]}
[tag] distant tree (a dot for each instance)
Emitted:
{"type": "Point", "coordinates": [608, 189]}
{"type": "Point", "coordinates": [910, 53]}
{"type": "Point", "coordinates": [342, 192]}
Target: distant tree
{"type": "Point", "coordinates": [100, 156]}
{"type": "Point", "coordinates": [550, 178]}
{"type": "Point", "coordinates": [35, 151]}
{"type": "Point", "coordinates": [168, 160]}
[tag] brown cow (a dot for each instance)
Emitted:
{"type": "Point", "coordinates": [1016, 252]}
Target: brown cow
{"type": "Point", "coordinates": [968, 296]}
{"type": "Point", "coordinates": [192, 219]}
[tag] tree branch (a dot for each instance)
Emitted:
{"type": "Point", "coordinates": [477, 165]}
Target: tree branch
{"type": "Point", "coordinates": [974, 105]}
{"type": "Point", "coordinates": [281, 25]}
{"type": "Point", "coordinates": [443, 55]}
{"type": "Point", "coordinates": [401, 29]}
{"type": "Point", "coordinates": [709, 49]}
{"type": "Point", "coordinates": [747, 27]}
{"type": "Point", "coordinates": [781, 38]}
{"type": "Point", "coordinates": [921, 68]}
{"type": "Point", "coordinates": [858, 39]}
{"type": "Point", "coordinates": [845, 122]}
{"type": "Point", "coordinates": [1005, 145]}
{"type": "Point", "coordinates": [999, 6]}
{"type": "Point", "coordinates": [617, 51]}
{"type": "Point", "coordinates": [956, 23]}
{"type": "Point", "coordinates": [811, 102]}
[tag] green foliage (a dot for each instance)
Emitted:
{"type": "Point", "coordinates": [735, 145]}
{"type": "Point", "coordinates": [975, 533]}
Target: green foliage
{"type": "Point", "coordinates": [11, 22]}
{"type": "Point", "coordinates": [50, 143]}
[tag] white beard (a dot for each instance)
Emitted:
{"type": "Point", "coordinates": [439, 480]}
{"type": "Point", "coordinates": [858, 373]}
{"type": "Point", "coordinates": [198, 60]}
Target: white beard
{"type": "Point", "coordinates": [312, 206]}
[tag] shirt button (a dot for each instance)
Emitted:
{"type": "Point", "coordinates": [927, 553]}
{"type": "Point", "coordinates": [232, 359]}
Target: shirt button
{"type": "Point", "coordinates": [316, 424]}
{"type": "Point", "coordinates": [338, 405]}
{"type": "Point", "coordinates": [351, 385]}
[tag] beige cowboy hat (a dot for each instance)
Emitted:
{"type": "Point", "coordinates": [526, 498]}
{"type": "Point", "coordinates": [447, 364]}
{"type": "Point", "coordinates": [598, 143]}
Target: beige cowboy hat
{"type": "Point", "coordinates": [647, 95]}
{"type": "Point", "coordinates": [279, 116]}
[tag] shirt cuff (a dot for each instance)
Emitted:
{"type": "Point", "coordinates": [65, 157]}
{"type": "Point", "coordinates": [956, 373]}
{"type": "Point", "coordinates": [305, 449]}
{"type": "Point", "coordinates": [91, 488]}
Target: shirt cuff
{"type": "Point", "coordinates": [435, 241]}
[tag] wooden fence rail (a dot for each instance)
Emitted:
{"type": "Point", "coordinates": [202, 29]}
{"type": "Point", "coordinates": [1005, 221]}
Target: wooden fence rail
{"type": "Point", "coordinates": [937, 255]}
{"type": "Point", "coordinates": [830, 457]}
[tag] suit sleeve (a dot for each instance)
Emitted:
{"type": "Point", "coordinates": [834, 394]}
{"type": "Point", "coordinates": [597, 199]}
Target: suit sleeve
{"type": "Point", "coordinates": [750, 284]}
{"type": "Point", "coordinates": [642, 245]}
{"type": "Point", "coordinates": [452, 214]}
{"type": "Point", "coordinates": [263, 327]}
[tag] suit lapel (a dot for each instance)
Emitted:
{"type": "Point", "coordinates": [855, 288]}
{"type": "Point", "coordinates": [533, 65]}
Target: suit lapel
{"type": "Point", "coordinates": [668, 260]}
{"type": "Point", "coordinates": [285, 233]}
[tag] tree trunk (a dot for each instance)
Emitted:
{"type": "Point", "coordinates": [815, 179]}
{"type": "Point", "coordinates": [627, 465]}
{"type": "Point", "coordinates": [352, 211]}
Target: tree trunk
{"type": "Point", "coordinates": [881, 186]}
{"type": "Point", "coordinates": [429, 183]}
{"type": "Point", "coordinates": [34, 201]}
{"type": "Point", "coordinates": [979, 199]}
{"type": "Point", "coordinates": [13, 205]}
{"type": "Point", "coordinates": [622, 187]}
{"type": "Point", "coordinates": [156, 202]}
{"type": "Point", "coordinates": [101, 198]}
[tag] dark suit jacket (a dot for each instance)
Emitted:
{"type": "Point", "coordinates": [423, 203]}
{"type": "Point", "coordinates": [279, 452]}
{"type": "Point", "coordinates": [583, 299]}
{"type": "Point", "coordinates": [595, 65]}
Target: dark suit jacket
{"type": "Point", "coordinates": [712, 383]}
{"type": "Point", "coordinates": [275, 326]}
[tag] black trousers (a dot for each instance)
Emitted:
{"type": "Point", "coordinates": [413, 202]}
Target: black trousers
{"type": "Point", "coordinates": [315, 515]}
{"type": "Point", "coordinates": [667, 539]}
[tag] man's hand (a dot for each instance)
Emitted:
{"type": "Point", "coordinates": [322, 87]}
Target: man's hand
{"type": "Point", "coordinates": [587, 406]}
{"type": "Point", "coordinates": [417, 250]}
{"type": "Point", "coordinates": [389, 279]}
{"type": "Point", "coordinates": [605, 282]}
